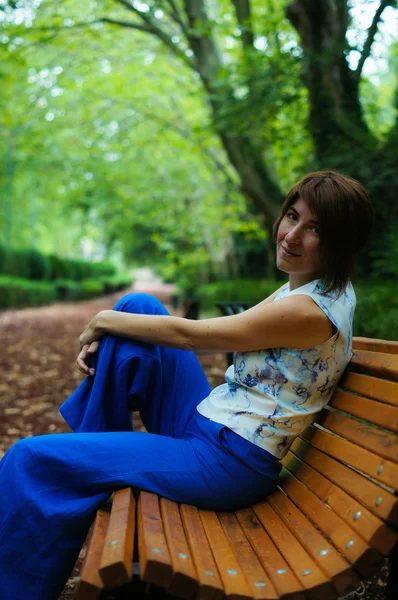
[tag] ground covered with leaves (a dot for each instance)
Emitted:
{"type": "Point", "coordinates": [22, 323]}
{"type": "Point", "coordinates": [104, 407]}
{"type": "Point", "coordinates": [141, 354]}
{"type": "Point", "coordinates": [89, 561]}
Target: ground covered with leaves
{"type": "Point", "coordinates": [37, 365]}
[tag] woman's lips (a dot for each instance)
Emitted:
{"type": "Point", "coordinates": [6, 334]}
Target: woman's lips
{"type": "Point", "coordinates": [288, 254]}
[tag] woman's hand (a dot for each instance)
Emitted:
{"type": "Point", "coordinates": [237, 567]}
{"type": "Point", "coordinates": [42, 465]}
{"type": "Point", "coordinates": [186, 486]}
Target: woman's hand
{"type": "Point", "coordinates": [89, 342]}
{"type": "Point", "coordinates": [84, 360]}
{"type": "Point", "coordinates": [92, 333]}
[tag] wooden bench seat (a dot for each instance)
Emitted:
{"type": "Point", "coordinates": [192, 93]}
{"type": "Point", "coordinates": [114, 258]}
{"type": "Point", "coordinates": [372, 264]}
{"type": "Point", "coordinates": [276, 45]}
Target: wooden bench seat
{"type": "Point", "coordinates": [331, 521]}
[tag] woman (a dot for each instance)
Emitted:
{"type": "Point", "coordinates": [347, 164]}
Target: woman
{"type": "Point", "coordinates": [215, 449]}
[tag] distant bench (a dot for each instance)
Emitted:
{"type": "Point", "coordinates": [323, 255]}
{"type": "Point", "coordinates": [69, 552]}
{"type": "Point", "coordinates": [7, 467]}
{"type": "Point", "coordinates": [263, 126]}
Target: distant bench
{"type": "Point", "coordinates": [332, 519]}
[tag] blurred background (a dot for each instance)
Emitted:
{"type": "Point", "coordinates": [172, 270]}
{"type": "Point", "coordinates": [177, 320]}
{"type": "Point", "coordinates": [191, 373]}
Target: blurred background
{"type": "Point", "coordinates": [159, 138]}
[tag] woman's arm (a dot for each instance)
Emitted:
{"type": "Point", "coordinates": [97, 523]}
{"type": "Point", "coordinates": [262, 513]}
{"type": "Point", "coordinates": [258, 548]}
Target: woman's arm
{"type": "Point", "coordinates": [295, 322]}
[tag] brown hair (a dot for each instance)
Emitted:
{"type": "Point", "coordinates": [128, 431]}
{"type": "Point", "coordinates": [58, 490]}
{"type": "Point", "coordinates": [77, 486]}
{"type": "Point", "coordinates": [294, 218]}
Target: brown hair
{"type": "Point", "coordinates": [344, 211]}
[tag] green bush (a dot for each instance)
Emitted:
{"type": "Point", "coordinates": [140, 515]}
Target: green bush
{"type": "Point", "coordinates": [68, 290]}
{"type": "Point", "coordinates": [91, 288]}
{"type": "Point", "coordinates": [102, 268]}
{"type": "Point", "coordinates": [38, 265]}
{"type": "Point", "coordinates": [32, 264]}
{"type": "Point", "coordinates": [15, 264]}
{"type": "Point", "coordinates": [3, 253]}
{"type": "Point", "coordinates": [60, 268]}
{"type": "Point", "coordinates": [20, 293]}
{"type": "Point", "coordinates": [116, 283]}
{"type": "Point", "coordinates": [376, 314]}
{"type": "Point", "coordinates": [248, 290]}
{"type": "Point", "coordinates": [80, 269]}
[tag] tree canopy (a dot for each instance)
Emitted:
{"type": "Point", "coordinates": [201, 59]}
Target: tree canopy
{"type": "Point", "coordinates": [168, 131]}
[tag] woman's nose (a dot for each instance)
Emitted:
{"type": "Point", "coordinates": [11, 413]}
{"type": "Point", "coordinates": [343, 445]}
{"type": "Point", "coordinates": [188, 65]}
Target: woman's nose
{"type": "Point", "coordinates": [293, 236]}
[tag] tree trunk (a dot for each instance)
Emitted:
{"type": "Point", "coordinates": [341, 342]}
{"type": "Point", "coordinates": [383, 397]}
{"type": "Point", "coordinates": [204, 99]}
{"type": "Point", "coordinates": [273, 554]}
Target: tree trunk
{"type": "Point", "coordinates": [244, 154]}
{"type": "Point", "coordinates": [336, 119]}
{"type": "Point", "coordinates": [341, 137]}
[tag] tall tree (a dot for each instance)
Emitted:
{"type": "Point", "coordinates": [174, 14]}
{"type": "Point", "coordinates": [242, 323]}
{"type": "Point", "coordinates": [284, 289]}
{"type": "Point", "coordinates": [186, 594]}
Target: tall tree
{"type": "Point", "coordinates": [192, 31]}
{"type": "Point", "coordinates": [342, 137]}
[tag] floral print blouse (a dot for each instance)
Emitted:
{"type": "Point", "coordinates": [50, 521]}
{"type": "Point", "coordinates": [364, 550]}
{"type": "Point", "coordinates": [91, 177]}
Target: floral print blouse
{"type": "Point", "coordinates": [271, 396]}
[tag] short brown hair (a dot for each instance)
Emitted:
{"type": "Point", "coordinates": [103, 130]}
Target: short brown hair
{"type": "Point", "coordinates": [344, 211]}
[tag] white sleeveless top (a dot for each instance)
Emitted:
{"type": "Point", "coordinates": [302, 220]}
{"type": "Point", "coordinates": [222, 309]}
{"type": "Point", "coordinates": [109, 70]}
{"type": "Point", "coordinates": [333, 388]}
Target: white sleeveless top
{"type": "Point", "coordinates": [271, 396]}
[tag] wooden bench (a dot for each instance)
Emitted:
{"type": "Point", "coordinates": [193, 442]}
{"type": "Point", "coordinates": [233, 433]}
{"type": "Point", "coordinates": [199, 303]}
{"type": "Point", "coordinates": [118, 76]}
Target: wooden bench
{"type": "Point", "coordinates": [332, 519]}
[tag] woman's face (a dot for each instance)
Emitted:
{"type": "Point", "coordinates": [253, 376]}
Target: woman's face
{"type": "Point", "coordinates": [297, 244]}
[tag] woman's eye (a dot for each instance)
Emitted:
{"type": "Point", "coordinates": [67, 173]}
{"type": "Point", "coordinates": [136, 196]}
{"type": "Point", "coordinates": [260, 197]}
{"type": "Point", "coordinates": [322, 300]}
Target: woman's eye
{"type": "Point", "coordinates": [292, 216]}
{"type": "Point", "coordinates": [315, 230]}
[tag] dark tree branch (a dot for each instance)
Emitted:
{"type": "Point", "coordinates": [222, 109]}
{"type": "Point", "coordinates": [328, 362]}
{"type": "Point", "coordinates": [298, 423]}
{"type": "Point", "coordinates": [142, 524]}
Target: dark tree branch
{"type": "Point", "coordinates": [177, 17]}
{"type": "Point", "coordinates": [371, 34]}
{"type": "Point", "coordinates": [204, 46]}
{"type": "Point", "coordinates": [152, 28]}
{"type": "Point", "coordinates": [243, 14]}
{"type": "Point", "coordinates": [67, 27]}
{"type": "Point", "coordinates": [125, 24]}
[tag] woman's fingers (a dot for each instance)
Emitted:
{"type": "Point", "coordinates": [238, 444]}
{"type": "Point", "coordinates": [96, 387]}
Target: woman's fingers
{"type": "Point", "coordinates": [83, 361]}
{"type": "Point", "coordinates": [93, 347]}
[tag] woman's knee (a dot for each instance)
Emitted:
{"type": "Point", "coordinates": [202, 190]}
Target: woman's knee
{"type": "Point", "coordinates": [20, 452]}
{"type": "Point", "coordinates": [140, 303]}
{"type": "Point", "coordinates": [36, 447]}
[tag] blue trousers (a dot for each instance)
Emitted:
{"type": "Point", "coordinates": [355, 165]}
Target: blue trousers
{"type": "Point", "coordinates": [51, 485]}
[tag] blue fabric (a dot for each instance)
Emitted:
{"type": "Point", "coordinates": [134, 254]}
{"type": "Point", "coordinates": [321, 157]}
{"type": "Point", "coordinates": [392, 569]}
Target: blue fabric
{"type": "Point", "coordinates": [53, 484]}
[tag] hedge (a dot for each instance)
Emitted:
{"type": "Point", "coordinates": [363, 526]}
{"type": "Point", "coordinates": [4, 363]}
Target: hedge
{"type": "Point", "coordinates": [16, 292]}
{"type": "Point", "coordinates": [248, 290]}
{"type": "Point", "coordinates": [32, 264]}
{"type": "Point", "coordinates": [376, 314]}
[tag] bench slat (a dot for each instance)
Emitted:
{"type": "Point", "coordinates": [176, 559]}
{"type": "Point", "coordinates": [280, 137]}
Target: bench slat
{"type": "Point", "coordinates": [386, 346]}
{"type": "Point", "coordinates": [365, 523]}
{"type": "Point", "coordinates": [285, 582]}
{"type": "Point", "coordinates": [379, 442]}
{"type": "Point", "coordinates": [210, 586]}
{"type": "Point", "coordinates": [375, 363]}
{"type": "Point", "coordinates": [155, 561]}
{"type": "Point", "coordinates": [259, 582]}
{"type": "Point", "coordinates": [305, 568]}
{"type": "Point", "coordinates": [378, 468]}
{"type": "Point", "coordinates": [371, 387]}
{"type": "Point", "coordinates": [385, 416]}
{"type": "Point", "coordinates": [234, 582]}
{"type": "Point", "coordinates": [90, 585]}
{"type": "Point", "coordinates": [184, 583]}
{"type": "Point", "coordinates": [117, 557]}
{"type": "Point", "coordinates": [350, 544]}
{"type": "Point", "coordinates": [335, 566]}
{"type": "Point", "coordinates": [379, 501]}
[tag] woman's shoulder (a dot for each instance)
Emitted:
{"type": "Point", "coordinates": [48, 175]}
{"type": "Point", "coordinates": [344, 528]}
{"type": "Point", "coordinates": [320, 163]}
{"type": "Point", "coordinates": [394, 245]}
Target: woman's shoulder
{"type": "Point", "coordinates": [317, 288]}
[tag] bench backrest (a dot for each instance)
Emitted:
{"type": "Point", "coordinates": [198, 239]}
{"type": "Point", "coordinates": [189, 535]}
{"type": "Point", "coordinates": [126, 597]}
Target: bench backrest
{"type": "Point", "coordinates": [349, 457]}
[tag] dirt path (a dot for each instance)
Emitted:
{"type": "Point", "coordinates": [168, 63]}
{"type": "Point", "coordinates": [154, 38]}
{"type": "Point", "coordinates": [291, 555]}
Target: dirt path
{"type": "Point", "coordinates": [38, 348]}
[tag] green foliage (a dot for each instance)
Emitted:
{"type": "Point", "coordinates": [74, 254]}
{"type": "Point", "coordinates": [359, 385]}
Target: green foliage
{"type": "Point", "coordinates": [60, 268]}
{"type": "Point", "coordinates": [68, 290]}
{"type": "Point", "coordinates": [385, 257]}
{"type": "Point", "coordinates": [27, 263]}
{"type": "Point", "coordinates": [32, 264]}
{"type": "Point", "coordinates": [140, 171]}
{"type": "Point", "coordinates": [115, 283]}
{"type": "Point", "coordinates": [376, 314]}
{"type": "Point", "coordinates": [91, 288]}
{"type": "Point", "coordinates": [248, 290]}
{"type": "Point", "coordinates": [18, 293]}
